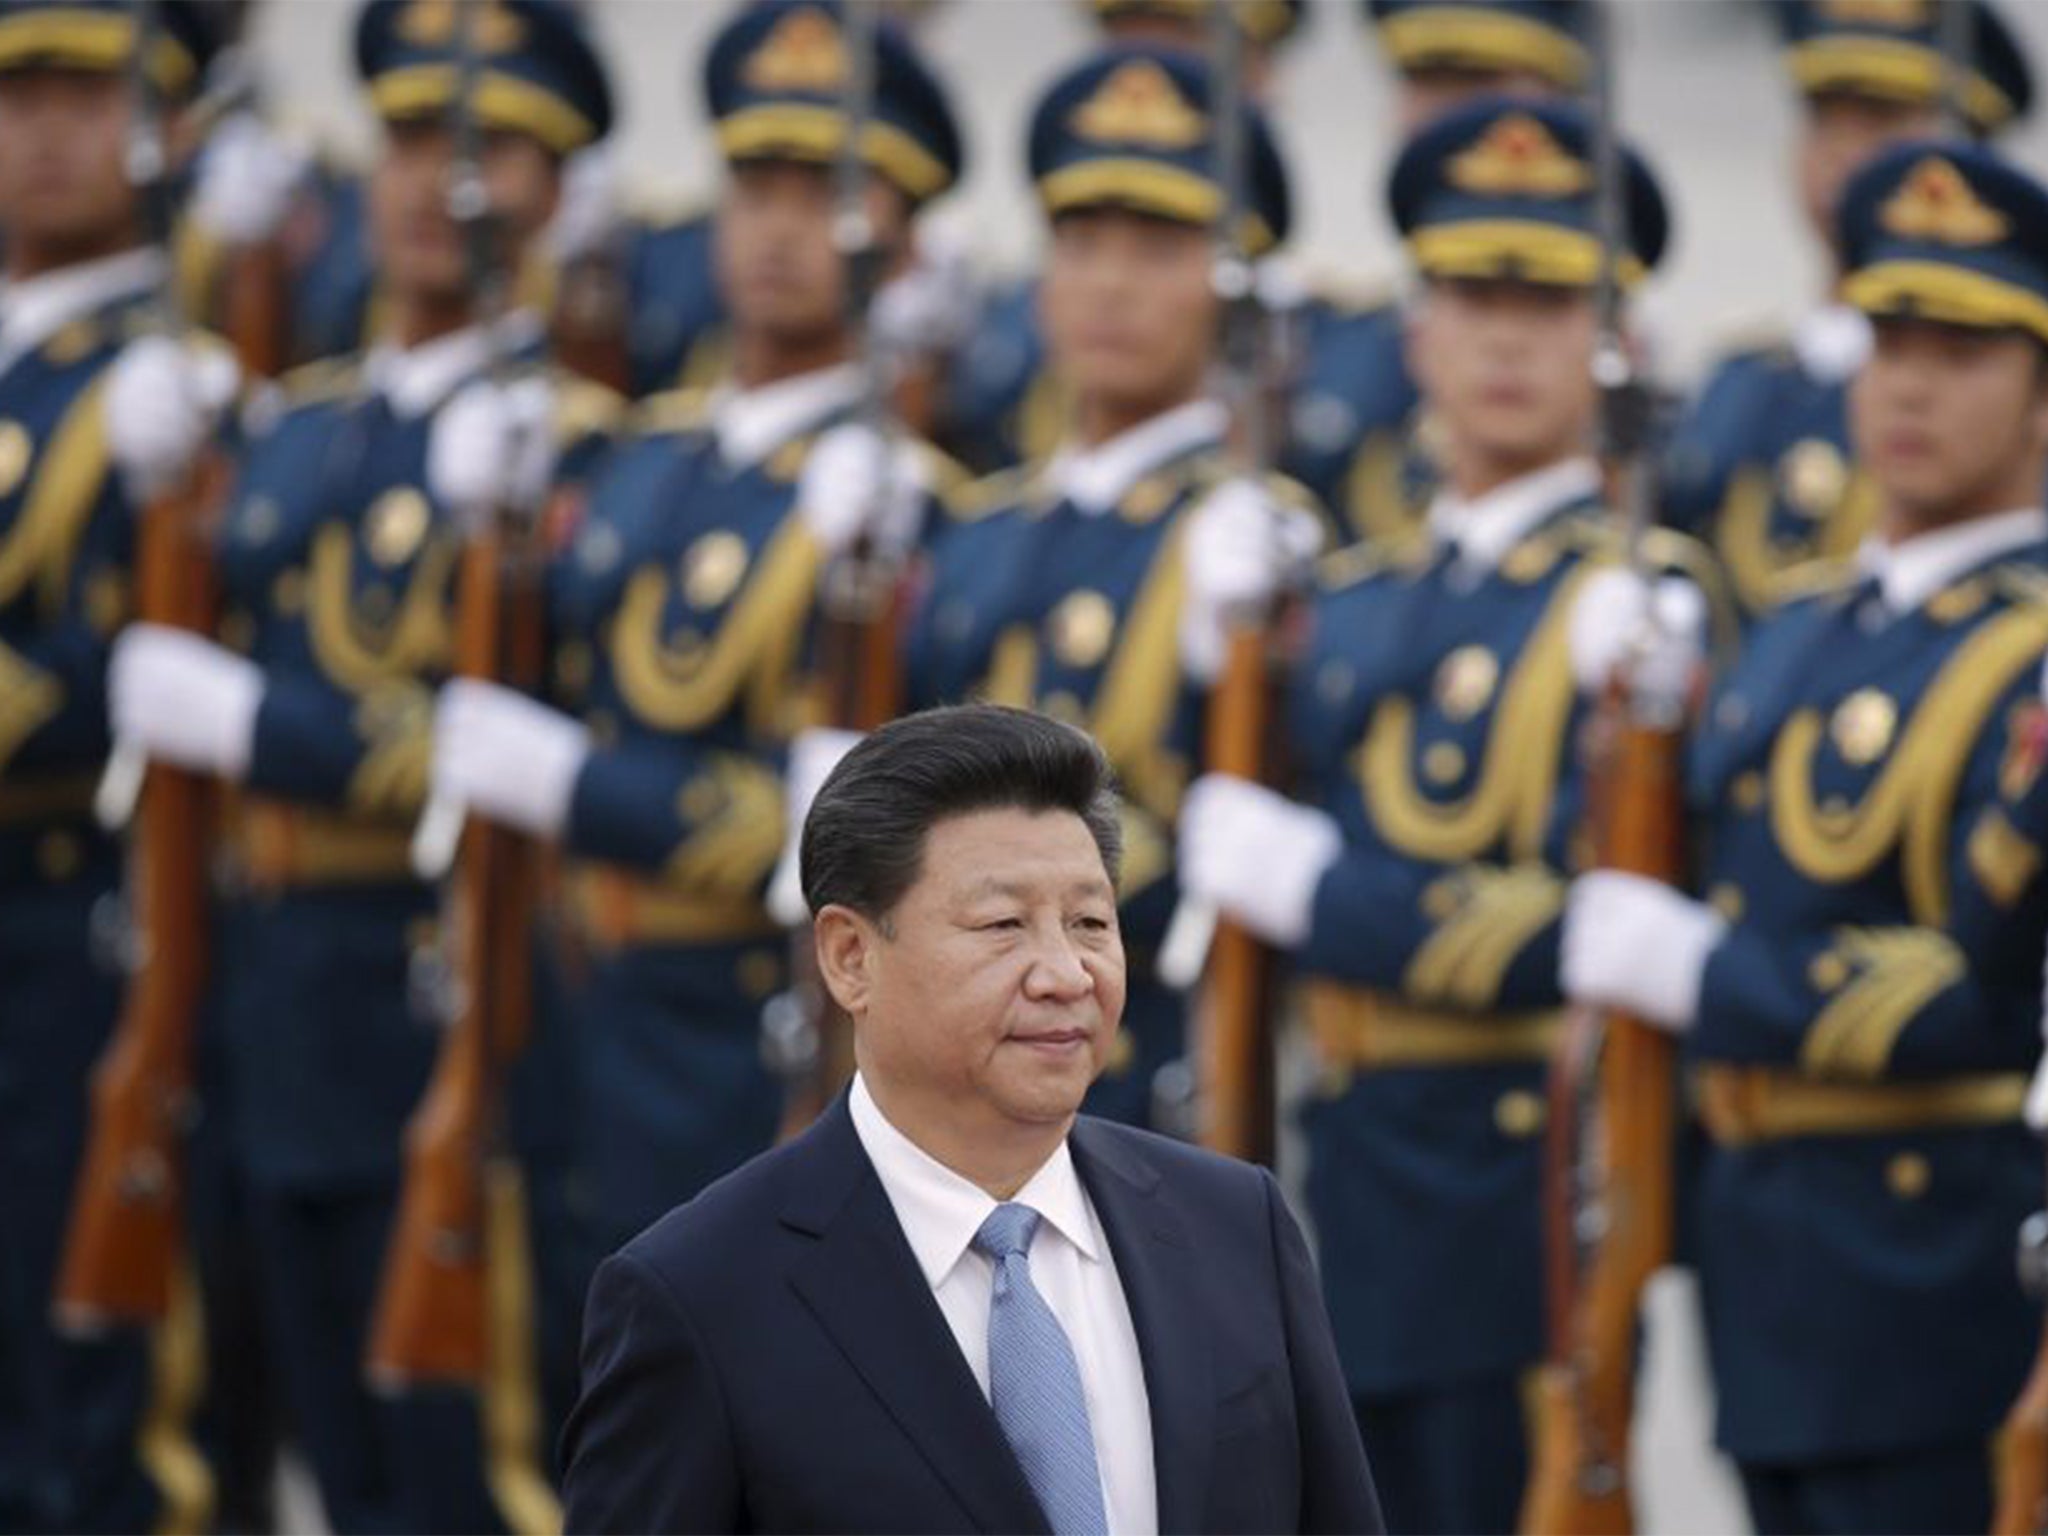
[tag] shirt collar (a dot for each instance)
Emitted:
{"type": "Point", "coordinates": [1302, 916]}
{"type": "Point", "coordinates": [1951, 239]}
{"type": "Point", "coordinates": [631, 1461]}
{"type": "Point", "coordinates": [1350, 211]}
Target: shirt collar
{"type": "Point", "coordinates": [1094, 480]}
{"type": "Point", "coordinates": [415, 380]}
{"type": "Point", "coordinates": [940, 1211]}
{"type": "Point", "coordinates": [36, 308]}
{"type": "Point", "coordinates": [1832, 342]}
{"type": "Point", "coordinates": [1910, 572]}
{"type": "Point", "coordinates": [1485, 528]}
{"type": "Point", "coordinates": [753, 423]}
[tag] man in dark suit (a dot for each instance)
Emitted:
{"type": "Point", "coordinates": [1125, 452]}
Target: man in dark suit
{"type": "Point", "coordinates": [953, 1304]}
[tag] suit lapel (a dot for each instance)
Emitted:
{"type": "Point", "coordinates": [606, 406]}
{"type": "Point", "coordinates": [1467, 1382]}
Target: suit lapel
{"type": "Point", "coordinates": [864, 1286]}
{"type": "Point", "coordinates": [1152, 1255]}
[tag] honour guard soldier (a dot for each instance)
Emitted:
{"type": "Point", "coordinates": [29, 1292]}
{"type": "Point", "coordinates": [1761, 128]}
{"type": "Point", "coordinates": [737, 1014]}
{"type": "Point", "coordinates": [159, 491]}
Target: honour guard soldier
{"type": "Point", "coordinates": [1002, 406]}
{"type": "Point", "coordinates": [1351, 419]}
{"type": "Point", "coordinates": [80, 280]}
{"type": "Point", "coordinates": [1420, 879]}
{"type": "Point", "coordinates": [1859, 1029]}
{"type": "Point", "coordinates": [1061, 585]}
{"type": "Point", "coordinates": [685, 610]}
{"type": "Point", "coordinates": [1759, 468]}
{"type": "Point", "coordinates": [336, 566]}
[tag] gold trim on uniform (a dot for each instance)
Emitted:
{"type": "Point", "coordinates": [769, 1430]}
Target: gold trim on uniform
{"type": "Point", "coordinates": [1519, 157]}
{"type": "Point", "coordinates": [2004, 860]}
{"type": "Point", "coordinates": [1081, 628]}
{"type": "Point", "coordinates": [1151, 186]}
{"type": "Point", "coordinates": [17, 448]}
{"type": "Point", "coordinates": [1462, 37]}
{"type": "Point", "coordinates": [89, 39]}
{"type": "Point", "coordinates": [1908, 806]}
{"type": "Point", "coordinates": [1486, 916]}
{"type": "Point", "coordinates": [1894, 69]}
{"type": "Point", "coordinates": [361, 657]}
{"type": "Point", "coordinates": [800, 131]}
{"type": "Point", "coordinates": [615, 909]}
{"type": "Point", "coordinates": [500, 101]}
{"type": "Point", "coordinates": [29, 699]}
{"type": "Point", "coordinates": [61, 494]}
{"type": "Point", "coordinates": [1358, 1030]}
{"type": "Point", "coordinates": [1524, 249]}
{"type": "Point", "coordinates": [732, 834]}
{"type": "Point", "coordinates": [1894, 973]}
{"type": "Point", "coordinates": [1939, 291]}
{"type": "Point", "coordinates": [1741, 1106]}
{"type": "Point", "coordinates": [1934, 202]}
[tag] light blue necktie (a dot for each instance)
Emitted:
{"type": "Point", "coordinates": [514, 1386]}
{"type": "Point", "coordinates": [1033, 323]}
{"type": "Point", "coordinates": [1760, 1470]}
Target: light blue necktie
{"type": "Point", "coordinates": [1034, 1384]}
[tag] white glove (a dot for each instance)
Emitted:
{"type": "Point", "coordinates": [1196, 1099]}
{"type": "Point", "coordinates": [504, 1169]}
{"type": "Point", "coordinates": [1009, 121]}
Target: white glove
{"type": "Point", "coordinates": [812, 757]}
{"type": "Point", "coordinates": [1658, 633]}
{"type": "Point", "coordinates": [1241, 548]}
{"type": "Point", "coordinates": [1637, 945]}
{"type": "Point", "coordinates": [587, 217]}
{"type": "Point", "coordinates": [494, 446]}
{"type": "Point", "coordinates": [163, 400]}
{"type": "Point", "coordinates": [248, 178]}
{"type": "Point", "coordinates": [1256, 855]}
{"type": "Point", "coordinates": [2037, 1098]}
{"type": "Point", "coordinates": [505, 757]}
{"type": "Point", "coordinates": [183, 699]}
{"type": "Point", "coordinates": [857, 481]}
{"type": "Point", "coordinates": [931, 307]}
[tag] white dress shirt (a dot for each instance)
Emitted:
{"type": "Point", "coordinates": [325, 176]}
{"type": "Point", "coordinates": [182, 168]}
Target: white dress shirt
{"type": "Point", "coordinates": [1913, 570]}
{"type": "Point", "coordinates": [1485, 528]}
{"type": "Point", "coordinates": [37, 308]}
{"type": "Point", "coordinates": [1095, 480]}
{"type": "Point", "coordinates": [1071, 1267]}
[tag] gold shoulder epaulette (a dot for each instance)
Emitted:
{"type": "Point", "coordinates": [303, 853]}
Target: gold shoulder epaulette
{"type": "Point", "coordinates": [1354, 563]}
{"type": "Point", "coordinates": [672, 410]}
{"type": "Point", "coordinates": [976, 499]}
{"type": "Point", "coordinates": [327, 379]}
{"type": "Point", "coordinates": [2020, 581]}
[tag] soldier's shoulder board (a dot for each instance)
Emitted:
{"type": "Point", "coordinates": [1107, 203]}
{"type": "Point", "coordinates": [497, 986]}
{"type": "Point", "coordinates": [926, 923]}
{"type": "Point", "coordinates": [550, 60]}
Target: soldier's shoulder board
{"type": "Point", "coordinates": [672, 410]}
{"type": "Point", "coordinates": [974, 500]}
{"type": "Point", "coordinates": [328, 379]}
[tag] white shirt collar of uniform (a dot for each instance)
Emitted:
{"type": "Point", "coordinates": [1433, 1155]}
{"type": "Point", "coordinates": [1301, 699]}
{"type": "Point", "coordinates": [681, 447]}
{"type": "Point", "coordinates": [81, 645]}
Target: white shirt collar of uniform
{"type": "Point", "coordinates": [753, 423]}
{"type": "Point", "coordinates": [1832, 342]}
{"type": "Point", "coordinates": [940, 1211]}
{"type": "Point", "coordinates": [415, 380]}
{"type": "Point", "coordinates": [1488, 526]}
{"type": "Point", "coordinates": [1911, 572]}
{"type": "Point", "coordinates": [36, 308]}
{"type": "Point", "coordinates": [1094, 480]}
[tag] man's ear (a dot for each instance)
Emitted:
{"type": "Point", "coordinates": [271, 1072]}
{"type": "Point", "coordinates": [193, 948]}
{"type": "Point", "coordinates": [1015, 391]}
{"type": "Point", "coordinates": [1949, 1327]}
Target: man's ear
{"type": "Point", "coordinates": [845, 943]}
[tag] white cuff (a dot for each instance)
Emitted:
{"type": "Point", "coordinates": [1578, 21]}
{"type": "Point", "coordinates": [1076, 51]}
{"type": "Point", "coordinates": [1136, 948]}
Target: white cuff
{"type": "Point", "coordinates": [506, 757]}
{"type": "Point", "coordinates": [1256, 855]}
{"type": "Point", "coordinates": [183, 699]}
{"type": "Point", "coordinates": [1637, 945]}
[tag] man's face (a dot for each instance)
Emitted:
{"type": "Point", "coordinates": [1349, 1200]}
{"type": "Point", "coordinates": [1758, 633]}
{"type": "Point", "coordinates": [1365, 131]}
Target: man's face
{"type": "Point", "coordinates": [418, 244]}
{"type": "Point", "coordinates": [63, 170]}
{"type": "Point", "coordinates": [994, 991]}
{"type": "Point", "coordinates": [1507, 367]}
{"type": "Point", "coordinates": [1421, 96]}
{"type": "Point", "coordinates": [1129, 312]}
{"type": "Point", "coordinates": [778, 269]}
{"type": "Point", "coordinates": [1839, 135]}
{"type": "Point", "coordinates": [1950, 421]}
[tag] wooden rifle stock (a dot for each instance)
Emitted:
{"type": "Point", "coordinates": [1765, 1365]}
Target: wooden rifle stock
{"type": "Point", "coordinates": [127, 1216]}
{"type": "Point", "coordinates": [2021, 1467]}
{"type": "Point", "coordinates": [1623, 1072]}
{"type": "Point", "coordinates": [1232, 1023]}
{"type": "Point", "coordinates": [431, 1321]}
{"type": "Point", "coordinates": [257, 309]}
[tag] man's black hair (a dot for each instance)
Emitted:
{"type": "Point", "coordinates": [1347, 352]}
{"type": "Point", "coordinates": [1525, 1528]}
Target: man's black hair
{"type": "Point", "coordinates": [863, 842]}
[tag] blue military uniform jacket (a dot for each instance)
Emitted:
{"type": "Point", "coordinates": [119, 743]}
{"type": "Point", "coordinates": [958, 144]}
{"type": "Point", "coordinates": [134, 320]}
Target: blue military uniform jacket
{"type": "Point", "coordinates": [337, 574]}
{"type": "Point", "coordinates": [1758, 467]}
{"type": "Point", "coordinates": [676, 317]}
{"type": "Point", "coordinates": [1435, 718]}
{"type": "Point", "coordinates": [1070, 604]}
{"type": "Point", "coordinates": [684, 612]}
{"type": "Point", "coordinates": [66, 532]}
{"type": "Point", "coordinates": [1866, 1026]}
{"type": "Point", "coordinates": [1351, 419]}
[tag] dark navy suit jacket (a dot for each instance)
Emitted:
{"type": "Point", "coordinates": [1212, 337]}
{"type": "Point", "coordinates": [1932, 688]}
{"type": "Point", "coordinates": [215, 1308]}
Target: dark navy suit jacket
{"type": "Point", "coordinates": [770, 1358]}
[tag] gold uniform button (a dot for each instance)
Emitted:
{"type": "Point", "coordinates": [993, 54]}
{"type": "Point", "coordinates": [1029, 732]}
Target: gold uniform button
{"type": "Point", "coordinates": [58, 855]}
{"type": "Point", "coordinates": [1123, 1050]}
{"type": "Point", "coordinates": [1747, 791]}
{"type": "Point", "coordinates": [1063, 707]}
{"type": "Point", "coordinates": [760, 973]}
{"type": "Point", "coordinates": [288, 593]}
{"type": "Point", "coordinates": [1726, 899]}
{"type": "Point", "coordinates": [1465, 681]}
{"type": "Point", "coordinates": [1814, 477]}
{"type": "Point", "coordinates": [1908, 1175]}
{"type": "Point", "coordinates": [1081, 629]}
{"type": "Point", "coordinates": [1443, 763]}
{"type": "Point", "coordinates": [1863, 726]}
{"type": "Point", "coordinates": [397, 526]}
{"type": "Point", "coordinates": [713, 568]}
{"type": "Point", "coordinates": [1519, 1113]}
